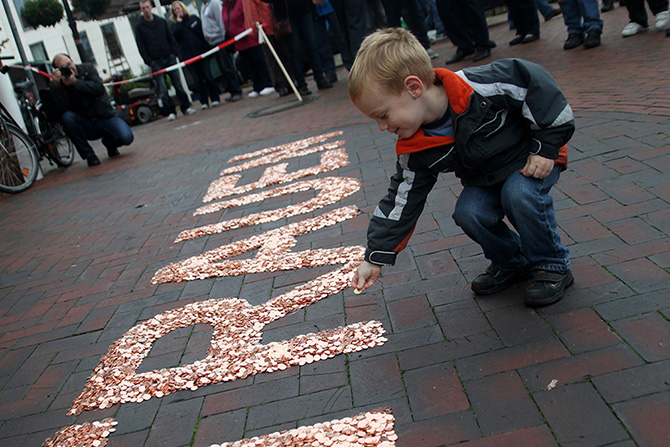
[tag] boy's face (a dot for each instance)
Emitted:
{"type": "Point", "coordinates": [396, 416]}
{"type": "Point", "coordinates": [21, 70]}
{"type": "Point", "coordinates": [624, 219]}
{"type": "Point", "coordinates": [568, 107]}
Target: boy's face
{"type": "Point", "coordinates": [397, 114]}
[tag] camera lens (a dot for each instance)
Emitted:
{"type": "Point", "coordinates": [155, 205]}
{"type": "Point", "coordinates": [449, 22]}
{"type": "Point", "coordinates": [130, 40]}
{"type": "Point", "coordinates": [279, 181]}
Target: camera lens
{"type": "Point", "coordinates": [65, 71]}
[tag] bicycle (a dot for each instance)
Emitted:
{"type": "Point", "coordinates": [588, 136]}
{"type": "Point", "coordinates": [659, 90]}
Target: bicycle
{"type": "Point", "coordinates": [21, 152]}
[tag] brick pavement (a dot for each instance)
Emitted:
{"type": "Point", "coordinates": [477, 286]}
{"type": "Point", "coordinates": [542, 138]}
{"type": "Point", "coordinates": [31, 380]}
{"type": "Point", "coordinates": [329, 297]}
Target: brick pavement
{"type": "Point", "coordinates": [79, 249]}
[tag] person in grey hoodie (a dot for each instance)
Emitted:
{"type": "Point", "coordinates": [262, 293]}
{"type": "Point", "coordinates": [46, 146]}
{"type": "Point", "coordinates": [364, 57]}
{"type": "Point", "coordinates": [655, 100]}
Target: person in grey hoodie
{"type": "Point", "coordinates": [214, 31]}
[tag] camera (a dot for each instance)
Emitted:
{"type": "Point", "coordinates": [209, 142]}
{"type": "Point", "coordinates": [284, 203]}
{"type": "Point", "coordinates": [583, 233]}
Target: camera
{"type": "Point", "coordinates": [66, 71]}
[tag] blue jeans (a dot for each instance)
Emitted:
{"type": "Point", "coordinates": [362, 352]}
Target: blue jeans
{"type": "Point", "coordinates": [576, 10]}
{"type": "Point", "coordinates": [528, 206]}
{"type": "Point", "coordinates": [113, 131]}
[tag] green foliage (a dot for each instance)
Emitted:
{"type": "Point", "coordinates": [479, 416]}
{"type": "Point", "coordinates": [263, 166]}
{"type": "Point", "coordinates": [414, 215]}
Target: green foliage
{"type": "Point", "coordinates": [92, 8]}
{"type": "Point", "coordinates": [42, 12]}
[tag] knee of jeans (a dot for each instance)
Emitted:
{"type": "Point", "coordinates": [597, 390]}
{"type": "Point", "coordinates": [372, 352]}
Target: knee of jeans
{"type": "Point", "coordinates": [465, 216]}
{"type": "Point", "coordinates": [127, 137]}
{"type": "Point", "coordinates": [68, 119]}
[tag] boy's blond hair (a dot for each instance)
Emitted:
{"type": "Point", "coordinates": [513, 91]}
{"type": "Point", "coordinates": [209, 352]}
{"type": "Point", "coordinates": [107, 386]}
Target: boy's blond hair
{"type": "Point", "coordinates": [385, 58]}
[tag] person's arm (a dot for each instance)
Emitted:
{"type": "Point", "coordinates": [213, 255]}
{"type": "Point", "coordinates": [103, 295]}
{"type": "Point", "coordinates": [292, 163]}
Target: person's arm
{"type": "Point", "coordinates": [395, 217]}
{"type": "Point", "coordinates": [88, 81]}
{"type": "Point", "coordinates": [141, 45]}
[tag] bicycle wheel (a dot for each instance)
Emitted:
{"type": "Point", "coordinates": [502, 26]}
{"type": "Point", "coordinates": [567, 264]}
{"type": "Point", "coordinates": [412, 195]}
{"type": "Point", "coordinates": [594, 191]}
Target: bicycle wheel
{"type": "Point", "coordinates": [19, 161]}
{"type": "Point", "coordinates": [55, 144]}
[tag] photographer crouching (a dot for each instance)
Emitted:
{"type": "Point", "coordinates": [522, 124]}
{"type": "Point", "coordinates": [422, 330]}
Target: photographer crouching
{"type": "Point", "coordinates": [85, 110]}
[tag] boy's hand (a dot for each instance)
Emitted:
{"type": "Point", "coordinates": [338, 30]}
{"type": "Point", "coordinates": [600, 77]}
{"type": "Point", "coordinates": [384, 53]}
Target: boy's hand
{"type": "Point", "coordinates": [538, 166]}
{"type": "Point", "coordinates": [365, 276]}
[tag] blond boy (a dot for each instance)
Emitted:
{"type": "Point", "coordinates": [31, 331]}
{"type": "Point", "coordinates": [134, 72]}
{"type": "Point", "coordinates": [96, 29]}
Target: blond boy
{"type": "Point", "coordinates": [502, 128]}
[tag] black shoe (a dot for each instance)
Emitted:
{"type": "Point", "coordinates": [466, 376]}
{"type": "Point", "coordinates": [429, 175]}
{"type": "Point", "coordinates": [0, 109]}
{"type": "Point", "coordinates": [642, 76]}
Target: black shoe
{"type": "Point", "coordinates": [494, 279]}
{"type": "Point", "coordinates": [113, 152]}
{"type": "Point", "coordinates": [93, 161]}
{"type": "Point", "coordinates": [481, 54]}
{"type": "Point", "coordinates": [459, 56]}
{"type": "Point", "coordinates": [530, 38]}
{"type": "Point", "coordinates": [332, 78]}
{"type": "Point", "coordinates": [547, 288]}
{"type": "Point", "coordinates": [492, 44]}
{"type": "Point", "coordinates": [323, 84]}
{"type": "Point", "coordinates": [592, 38]}
{"type": "Point", "coordinates": [554, 12]}
{"type": "Point", "coordinates": [234, 97]}
{"type": "Point", "coordinates": [608, 5]}
{"type": "Point", "coordinates": [667, 32]}
{"type": "Point", "coordinates": [574, 40]}
{"type": "Point", "coordinates": [283, 92]}
{"type": "Point", "coordinates": [304, 91]}
{"type": "Point", "coordinates": [517, 40]}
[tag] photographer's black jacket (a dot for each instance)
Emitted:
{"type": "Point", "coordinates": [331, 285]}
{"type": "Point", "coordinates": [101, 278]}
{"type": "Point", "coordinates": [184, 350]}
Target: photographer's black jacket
{"type": "Point", "coordinates": [87, 97]}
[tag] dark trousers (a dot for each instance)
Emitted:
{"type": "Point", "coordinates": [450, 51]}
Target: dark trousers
{"type": "Point", "coordinates": [415, 19]}
{"type": "Point", "coordinates": [638, 13]}
{"type": "Point", "coordinates": [464, 23]}
{"type": "Point", "coordinates": [321, 26]}
{"type": "Point", "coordinates": [113, 131]}
{"type": "Point", "coordinates": [303, 29]}
{"type": "Point", "coordinates": [229, 72]}
{"type": "Point", "coordinates": [202, 75]}
{"type": "Point", "coordinates": [255, 59]}
{"type": "Point", "coordinates": [168, 105]}
{"type": "Point", "coordinates": [524, 15]}
{"type": "Point", "coordinates": [352, 16]}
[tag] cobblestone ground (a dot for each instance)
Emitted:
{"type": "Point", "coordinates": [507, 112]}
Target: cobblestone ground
{"type": "Point", "coordinates": [79, 249]}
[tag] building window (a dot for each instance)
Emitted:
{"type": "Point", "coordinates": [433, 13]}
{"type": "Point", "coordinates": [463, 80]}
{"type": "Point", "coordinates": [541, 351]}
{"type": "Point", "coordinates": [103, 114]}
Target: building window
{"type": "Point", "coordinates": [38, 52]}
{"type": "Point", "coordinates": [114, 50]}
{"type": "Point", "coordinates": [87, 47]}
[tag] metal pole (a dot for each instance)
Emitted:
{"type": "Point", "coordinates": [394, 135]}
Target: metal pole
{"type": "Point", "coordinates": [75, 32]}
{"type": "Point", "coordinates": [19, 45]}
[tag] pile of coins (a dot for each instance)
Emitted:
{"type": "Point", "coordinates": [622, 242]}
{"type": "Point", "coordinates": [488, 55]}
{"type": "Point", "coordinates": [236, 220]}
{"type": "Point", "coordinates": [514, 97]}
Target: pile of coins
{"type": "Point", "coordinates": [87, 434]}
{"type": "Point", "coordinates": [374, 428]}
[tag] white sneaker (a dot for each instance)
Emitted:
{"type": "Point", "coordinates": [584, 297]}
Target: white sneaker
{"type": "Point", "coordinates": [267, 91]}
{"type": "Point", "coordinates": [216, 103]}
{"type": "Point", "coordinates": [189, 111]}
{"type": "Point", "coordinates": [662, 19]}
{"type": "Point", "coordinates": [632, 29]}
{"type": "Point", "coordinates": [204, 106]}
{"type": "Point", "coordinates": [432, 53]}
{"type": "Point", "coordinates": [172, 117]}
{"type": "Point", "coordinates": [253, 94]}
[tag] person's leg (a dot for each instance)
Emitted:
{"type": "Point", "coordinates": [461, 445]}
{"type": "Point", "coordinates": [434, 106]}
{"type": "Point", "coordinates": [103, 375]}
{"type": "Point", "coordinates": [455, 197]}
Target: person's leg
{"type": "Point", "coordinates": [182, 96]}
{"type": "Point", "coordinates": [480, 28]}
{"type": "Point", "coordinates": [259, 69]}
{"type": "Point", "coordinates": [657, 6]}
{"type": "Point", "coordinates": [637, 12]}
{"type": "Point", "coordinates": [196, 71]}
{"type": "Point", "coordinates": [211, 87]}
{"type": "Point", "coordinates": [454, 15]}
{"type": "Point", "coordinates": [416, 21]}
{"type": "Point", "coordinates": [591, 13]}
{"type": "Point", "coordinates": [293, 47]}
{"type": "Point", "coordinates": [393, 14]}
{"type": "Point", "coordinates": [115, 133]}
{"type": "Point", "coordinates": [528, 205]}
{"type": "Point", "coordinates": [230, 73]}
{"type": "Point", "coordinates": [305, 29]}
{"type": "Point", "coordinates": [322, 41]}
{"type": "Point", "coordinates": [80, 130]}
{"type": "Point", "coordinates": [544, 7]}
{"type": "Point", "coordinates": [168, 107]}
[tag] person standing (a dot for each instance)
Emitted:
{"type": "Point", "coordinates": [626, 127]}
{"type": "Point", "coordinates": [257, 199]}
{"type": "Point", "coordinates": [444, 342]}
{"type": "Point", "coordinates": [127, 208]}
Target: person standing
{"type": "Point", "coordinates": [211, 14]}
{"type": "Point", "coordinates": [158, 50]}
{"type": "Point", "coordinates": [582, 17]}
{"type": "Point", "coordinates": [465, 25]}
{"type": "Point", "coordinates": [187, 31]}
{"type": "Point", "coordinates": [85, 110]}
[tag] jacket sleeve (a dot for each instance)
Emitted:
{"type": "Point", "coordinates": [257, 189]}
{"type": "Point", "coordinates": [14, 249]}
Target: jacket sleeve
{"type": "Point", "coordinates": [395, 217]}
{"type": "Point", "coordinates": [141, 45]}
{"type": "Point", "coordinates": [530, 88]}
{"type": "Point", "coordinates": [89, 82]}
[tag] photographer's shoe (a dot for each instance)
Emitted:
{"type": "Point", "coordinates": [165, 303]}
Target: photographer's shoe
{"type": "Point", "coordinates": [113, 152]}
{"type": "Point", "coordinates": [547, 287]}
{"type": "Point", "coordinates": [93, 161]}
{"type": "Point", "coordinates": [494, 279]}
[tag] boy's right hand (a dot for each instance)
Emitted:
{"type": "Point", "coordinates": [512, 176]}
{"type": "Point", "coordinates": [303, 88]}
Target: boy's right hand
{"type": "Point", "coordinates": [365, 276]}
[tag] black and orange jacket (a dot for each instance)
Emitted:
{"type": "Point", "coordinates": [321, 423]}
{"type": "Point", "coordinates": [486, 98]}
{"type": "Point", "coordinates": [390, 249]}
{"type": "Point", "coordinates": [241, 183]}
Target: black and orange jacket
{"type": "Point", "coordinates": [500, 113]}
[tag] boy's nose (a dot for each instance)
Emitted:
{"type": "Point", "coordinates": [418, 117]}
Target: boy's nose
{"type": "Point", "coordinates": [382, 126]}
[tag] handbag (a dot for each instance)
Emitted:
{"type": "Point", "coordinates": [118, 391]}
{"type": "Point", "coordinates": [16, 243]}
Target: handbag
{"type": "Point", "coordinates": [283, 27]}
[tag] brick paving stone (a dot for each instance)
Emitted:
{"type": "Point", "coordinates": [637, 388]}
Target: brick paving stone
{"type": "Point", "coordinates": [580, 367]}
{"type": "Point", "coordinates": [539, 436]}
{"type": "Point", "coordinates": [134, 417]}
{"type": "Point", "coordinates": [648, 334]}
{"type": "Point", "coordinates": [375, 379]}
{"type": "Point", "coordinates": [508, 359]}
{"type": "Point", "coordinates": [174, 423]}
{"type": "Point", "coordinates": [582, 330]}
{"type": "Point", "coordinates": [438, 431]}
{"type": "Point", "coordinates": [646, 418]}
{"type": "Point", "coordinates": [250, 395]}
{"type": "Point", "coordinates": [435, 390]}
{"type": "Point", "coordinates": [634, 382]}
{"type": "Point", "coordinates": [323, 375]}
{"type": "Point", "coordinates": [578, 417]}
{"type": "Point", "coordinates": [411, 313]}
{"type": "Point", "coordinates": [502, 403]}
{"type": "Point", "coordinates": [461, 319]}
{"type": "Point", "coordinates": [518, 325]}
{"type": "Point", "coordinates": [448, 350]}
{"type": "Point", "coordinates": [218, 428]}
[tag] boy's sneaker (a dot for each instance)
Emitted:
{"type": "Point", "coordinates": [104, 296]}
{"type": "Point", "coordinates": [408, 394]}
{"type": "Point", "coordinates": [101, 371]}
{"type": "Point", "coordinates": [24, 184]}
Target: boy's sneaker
{"type": "Point", "coordinates": [662, 19]}
{"type": "Point", "coordinates": [494, 279]}
{"type": "Point", "coordinates": [547, 287]}
{"type": "Point", "coordinates": [592, 39]}
{"type": "Point", "coordinates": [574, 40]}
{"type": "Point", "coordinates": [632, 29]}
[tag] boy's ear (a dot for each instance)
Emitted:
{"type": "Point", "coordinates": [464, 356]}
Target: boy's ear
{"type": "Point", "coordinates": [414, 86]}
